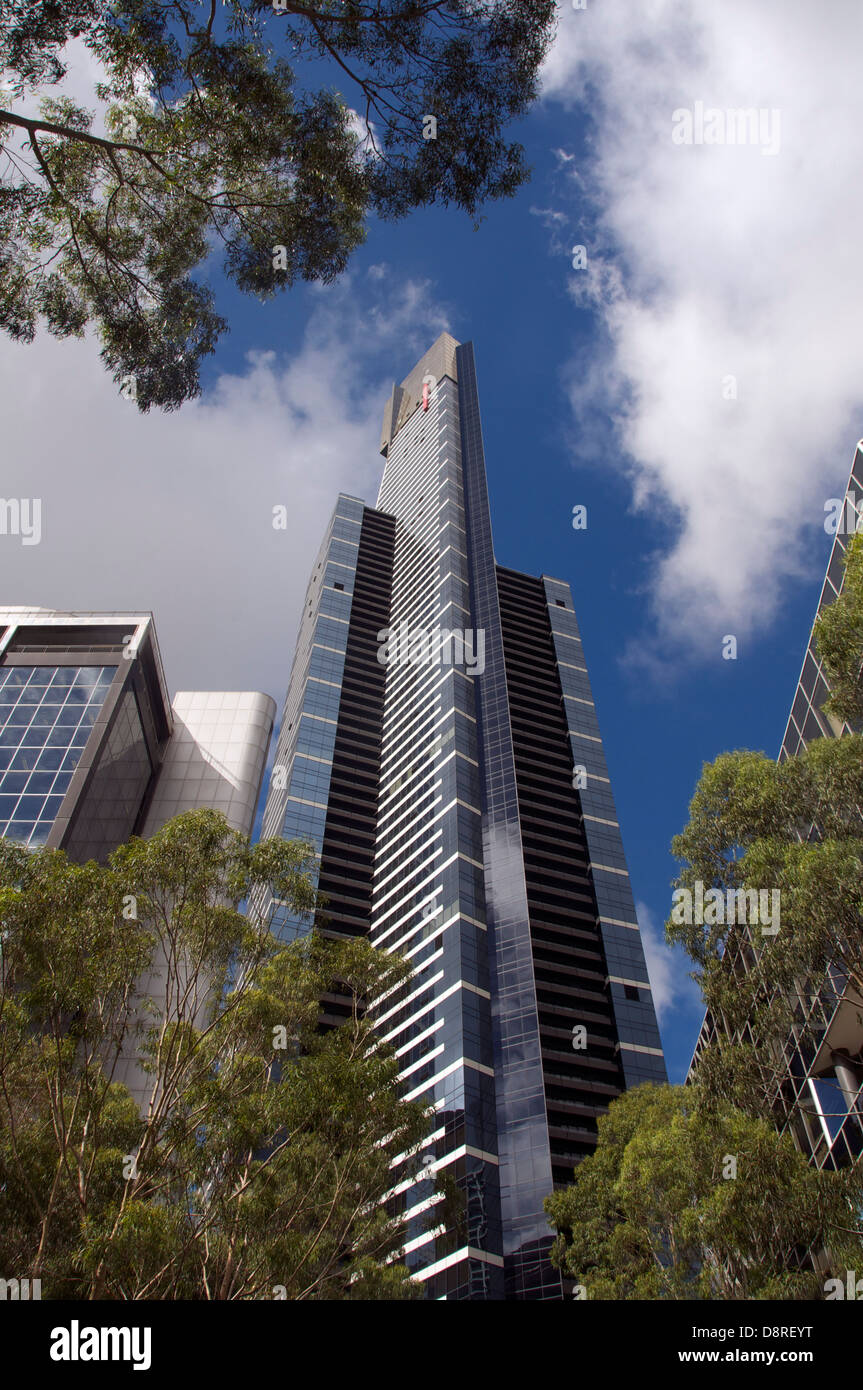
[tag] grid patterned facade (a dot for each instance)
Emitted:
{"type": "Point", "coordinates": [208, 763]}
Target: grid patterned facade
{"type": "Point", "coordinates": [324, 783]}
{"type": "Point", "coordinates": [588, 964]}
{"type": "Point", "coordinates": [46, 716]}
{"type": "Point", "coordinates": [429, 901]}
{"type": "Point", "coordinates": [807, 720]}
{"type": "Point", "coordinates": [90, 744]}
{"type": "Point", "coordinates": [497, 871]}
{"type": "Point", "coordinates": [84, 707]}
{"type": "Point", "coordinates": [820, 1072]}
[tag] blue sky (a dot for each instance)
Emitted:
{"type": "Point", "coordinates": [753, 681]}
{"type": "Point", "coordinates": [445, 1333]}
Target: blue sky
{"type": "Point", "coordinates": [600, 387]}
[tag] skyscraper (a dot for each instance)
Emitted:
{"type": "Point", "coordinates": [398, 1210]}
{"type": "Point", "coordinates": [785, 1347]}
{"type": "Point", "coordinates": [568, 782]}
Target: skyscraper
{"type": "Point", "coordinates": [817, 1080]}
{"type": "Point", "coordinates": [439, 747]}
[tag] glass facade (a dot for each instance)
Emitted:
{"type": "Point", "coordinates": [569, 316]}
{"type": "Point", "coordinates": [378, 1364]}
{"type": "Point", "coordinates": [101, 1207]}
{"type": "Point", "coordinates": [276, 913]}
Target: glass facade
{"type": "Point", "coordinates": [817, 1079]}
{"type": "Point", "coordinates": [47, 714]}
{"type": "Point", "coordinates": [524, 1155]}
{"type": "Point", "coordinates": [120, 778]}
{"type": "Point", "coordinates": [84, 723]}
{"type": "Point", "coordinates": [429, 901]}
{"type": "Point", "coordinates": [299, 791]}
{"type": "Point", "coordinates": [637, 1034]}
{"type": "Point", "coordinates": [807, 720]}
{"type": "Point", "coordinates": [557, 887]}
{"type": "Point", "coordinates": [436, 780]}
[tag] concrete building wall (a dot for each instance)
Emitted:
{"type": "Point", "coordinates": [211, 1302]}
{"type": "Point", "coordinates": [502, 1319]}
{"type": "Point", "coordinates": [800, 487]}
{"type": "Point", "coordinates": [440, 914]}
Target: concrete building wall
{"type": "Point", "coordinates": [216, 757]}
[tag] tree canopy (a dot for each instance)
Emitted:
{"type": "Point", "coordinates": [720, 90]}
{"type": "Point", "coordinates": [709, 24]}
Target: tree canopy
{"type": "Point", "coordinates": [699, 1192]}
{"type": "Point", "coordinates": [683, 1201]}
{"type": "Point", "coordinates": [254, 1159]}
{"type": "Point", "coordinates": [266, 131]}
{"type": "Point", "coordinates": [839, 635]}
{"type": "Point", "coordinates": [794, 828]}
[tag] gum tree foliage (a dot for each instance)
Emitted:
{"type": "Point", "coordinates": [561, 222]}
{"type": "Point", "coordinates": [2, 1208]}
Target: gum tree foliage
{"type": "Point", "coordinates": [839, 634]}
{"type": "Point", "coordinates": [237, 126]}
{"type": "Point", "coordinates": [796, 826]}
{"type": "Point", "coordinates": [655, 1213]}
{"type": "Point", "coordinates": [256, 1164]}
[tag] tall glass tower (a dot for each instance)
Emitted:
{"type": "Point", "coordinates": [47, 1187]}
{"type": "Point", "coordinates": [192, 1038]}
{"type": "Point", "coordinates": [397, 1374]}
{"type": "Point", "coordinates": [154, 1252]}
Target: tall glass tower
{"type": "Point", "coordinates": [440, 748]}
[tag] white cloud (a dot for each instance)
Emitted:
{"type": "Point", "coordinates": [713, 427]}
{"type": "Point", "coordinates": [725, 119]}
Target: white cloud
{"type": "Point", "coordinates": [83, 71]}
{"type": "Point", "coordinates": [667, 969]}
{"type": "Point", "coordinates": [551, 217]}
{"type": "Point", "coordinates": [555, 223]}
{"type": "Point", "coordinates": [367, 135]}
{"type": "Point", "coordinates": [173, 513]}
{"type": "Point", "coordinates": [708, 262]}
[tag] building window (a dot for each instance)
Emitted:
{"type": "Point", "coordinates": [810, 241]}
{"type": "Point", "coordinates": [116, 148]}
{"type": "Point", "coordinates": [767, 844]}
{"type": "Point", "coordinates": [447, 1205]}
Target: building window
{"type": "Point", "coordinates": [631, 992]}
{"type": "Point", "coordinates": [339, 586]}
{"type": "Point", "coordinates": [560, 603]}
{"type": "Point", "coordinates": [46, 716]}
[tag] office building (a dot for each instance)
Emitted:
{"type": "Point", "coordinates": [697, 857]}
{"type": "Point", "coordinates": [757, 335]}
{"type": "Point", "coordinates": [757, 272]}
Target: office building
{"type": "Point", "coordinates": [91, 748]}
{"type": "Point", "coordinates": [93, 752]}
{"type": "Point", "coordinates": [816, 1082]}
